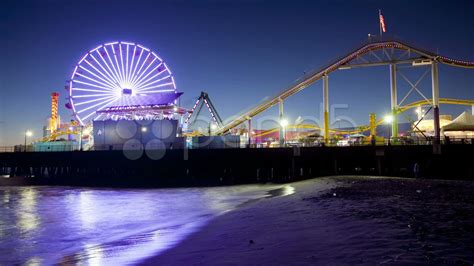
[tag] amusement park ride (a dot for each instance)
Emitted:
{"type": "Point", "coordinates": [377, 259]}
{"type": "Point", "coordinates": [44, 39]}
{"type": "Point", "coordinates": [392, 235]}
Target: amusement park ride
{"type": "Point", "coordinates": [196, 110]}
{"type": "Point", "coordinates": [120, 81]}
{"type": "Point", "coordinates": [377, 53]}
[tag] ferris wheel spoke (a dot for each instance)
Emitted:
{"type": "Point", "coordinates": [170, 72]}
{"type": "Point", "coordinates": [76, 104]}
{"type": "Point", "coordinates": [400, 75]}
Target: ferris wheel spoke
{"type": "Point", "coordinates": [111, 72]}
{"type": "Point", "coordinates": [92, 85]}
{"type": "Point", "coordinates": [100, 108]}
{"type": "Point", "coordinates": [142, 83]}
{"type": "Point", "coordinates": [147, 89]}
{"type": "Point", "coordinates": [107, 87]}
{"type": "Point", "coordinates": [141, 86]}
{"type": "Point", "coordinates": [124, 76]}
{"type": "Point", "coordinates": [130, 68]}
{"type": "Point", "coordinates": [142, 65]}
{"type": "Point", "coordinates": [103, 103]}
{"type": "Point", "coordinates": [141, 77]}
{"type": "Point", "coordinates": [95, 118]}
{"type": "Point", "coordinates": [126, 64]}
{"type": "Point", "coordinates": [108, 84]}
{"type": "Point", "coordinates": [91, 95]}
{"type": "Point", "coordinates": [88, 90]}
{"type": "Point", "coordinates": [142, 80]}
{"type": "Point", "coordinates": [105, 77]}
{"type": "Point", "coordinates": [136, 64]}
{"type": "Point", "coordinates": [95, 100]}
{"type": "Point", "coordinates": [113, 65]}
{"type": "Point", "coordinates": [158, 91]}
{"type": "Point", "coordinates": [118, 65]}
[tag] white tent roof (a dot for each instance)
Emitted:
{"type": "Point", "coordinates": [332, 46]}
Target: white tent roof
{"type": "Point", "coordinates": [464, 122]}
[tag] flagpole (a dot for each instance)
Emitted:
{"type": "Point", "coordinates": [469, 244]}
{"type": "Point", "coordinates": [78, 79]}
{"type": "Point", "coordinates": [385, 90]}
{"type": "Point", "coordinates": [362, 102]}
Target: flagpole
{"type": "Point", "coordinates": [380, 24]}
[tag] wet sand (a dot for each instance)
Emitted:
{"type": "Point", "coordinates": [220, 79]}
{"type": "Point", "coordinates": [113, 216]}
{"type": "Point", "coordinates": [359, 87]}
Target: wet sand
{"type": "Point", "coordinates": [341, 220]}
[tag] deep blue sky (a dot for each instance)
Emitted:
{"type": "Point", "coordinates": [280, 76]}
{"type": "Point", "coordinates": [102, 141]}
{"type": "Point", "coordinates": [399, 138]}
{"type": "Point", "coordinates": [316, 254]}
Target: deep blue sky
{"type": "Point", "coordinates": [237, 51]}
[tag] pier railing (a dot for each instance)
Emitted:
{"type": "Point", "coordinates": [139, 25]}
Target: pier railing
{"type": "Point", "coordinates": [332, 143]}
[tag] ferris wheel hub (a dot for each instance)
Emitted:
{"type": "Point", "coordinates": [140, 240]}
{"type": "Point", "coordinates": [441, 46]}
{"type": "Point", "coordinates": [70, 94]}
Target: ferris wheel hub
{"type": "Point", "coordinates": [127, 91]}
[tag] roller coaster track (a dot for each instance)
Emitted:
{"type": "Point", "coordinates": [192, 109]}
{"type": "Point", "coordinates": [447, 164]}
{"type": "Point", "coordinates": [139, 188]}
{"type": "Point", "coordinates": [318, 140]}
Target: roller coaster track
{"type": "Point", "coordinates": [363, 128]}
{"type": "Point", "coordinates": [340, 63]}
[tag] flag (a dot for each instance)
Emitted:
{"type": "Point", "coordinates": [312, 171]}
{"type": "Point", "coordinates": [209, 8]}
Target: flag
{"type": "Point", "coordinates": [382, 22]}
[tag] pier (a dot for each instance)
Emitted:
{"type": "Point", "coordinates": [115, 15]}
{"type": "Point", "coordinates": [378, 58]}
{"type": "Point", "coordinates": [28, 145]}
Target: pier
{"type": "Point", "coordinates": [211, 167]}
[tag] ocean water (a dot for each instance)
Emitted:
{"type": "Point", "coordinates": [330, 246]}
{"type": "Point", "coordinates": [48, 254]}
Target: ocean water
{"type": "Point", "coordinates": [49, 225]}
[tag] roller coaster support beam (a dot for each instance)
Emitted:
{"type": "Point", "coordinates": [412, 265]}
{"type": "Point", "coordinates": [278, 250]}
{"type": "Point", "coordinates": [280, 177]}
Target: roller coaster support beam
{"type": "Point", "coordinates": [326, 107]}
{"type": "Point", "coordinates": [280, 113]}
{"type": "Point", "coordinates": [435, 93]}
{"type": "Point", "coordinates": [394, 101]}
{"type": "Point", "coordinates": [373, 125]}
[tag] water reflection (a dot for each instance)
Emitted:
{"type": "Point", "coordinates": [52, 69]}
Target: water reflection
{"type": "Point", "coordinates": [87, 209]}
{"type": "Point", "coordinates": [6, 196]}
{"type": "Point", "coordinates": [49, 225]}
{"type": "Point", "coordinates": [94, 255]}
{"type": "Point", "coordinates": [28, 219]}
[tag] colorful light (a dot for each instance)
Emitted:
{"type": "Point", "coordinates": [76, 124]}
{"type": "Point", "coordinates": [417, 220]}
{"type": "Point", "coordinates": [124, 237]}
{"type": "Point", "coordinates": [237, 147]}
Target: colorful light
{"type": "Point", "coordinates": [123, 66]}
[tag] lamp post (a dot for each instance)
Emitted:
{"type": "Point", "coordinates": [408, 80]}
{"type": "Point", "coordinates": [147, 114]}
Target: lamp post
{"type": "Point", "coordinates": [283, 124]}
{"type": "Point", "coordinates": [28, 133]}
{"type": "Point", "coordinates": [389, 120]}
{"type": "Point", "coordinates": [80, 138]}
{"type": "Point", "coordinates": [212, 128]}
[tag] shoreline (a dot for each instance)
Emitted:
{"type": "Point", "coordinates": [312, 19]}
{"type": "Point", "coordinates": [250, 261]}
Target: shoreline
{"type": "Point", "coordinates": [340, 220]}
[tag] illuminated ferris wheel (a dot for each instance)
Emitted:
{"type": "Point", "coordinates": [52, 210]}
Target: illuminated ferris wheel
{"type": "Point", "coordinates": [113, 71]}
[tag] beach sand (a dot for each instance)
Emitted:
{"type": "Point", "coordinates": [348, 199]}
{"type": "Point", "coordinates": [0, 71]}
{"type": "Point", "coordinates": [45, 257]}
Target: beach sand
{"type": "Point", "coordinates": [340, 220]}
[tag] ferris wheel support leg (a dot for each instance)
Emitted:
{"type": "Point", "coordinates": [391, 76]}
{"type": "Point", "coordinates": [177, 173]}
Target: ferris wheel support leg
{"type": "Point", "coordinates": [435, 94]}
{"type": "Point", "coordinates": [280, 113]}
{"type": "Point", "coordinates": [326, 108]}
{"type": "Point", "coordinates": [394, 101]}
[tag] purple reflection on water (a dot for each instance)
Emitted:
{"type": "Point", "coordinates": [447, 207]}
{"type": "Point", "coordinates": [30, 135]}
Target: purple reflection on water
{"type": "Point", "coordinates": [45, 225]}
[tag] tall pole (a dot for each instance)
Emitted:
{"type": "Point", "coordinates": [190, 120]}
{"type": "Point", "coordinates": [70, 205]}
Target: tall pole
{"type": "Point", "coordinates": [435, 94]}
{"type": "Point", "coordinates": [373, 128]}
{"type": "Point", "coordinates": [26, 133]}
{"type": "Point", "coordinates": [326, 107]}
{"type": "Point", "coordinates": [250, 131]}
{"type": "Point", "coordinates": [280, 112]}
{"type": "Point", "coordinates": [393, 97]}
{"type": "Point", "coordinates": [80, 138]}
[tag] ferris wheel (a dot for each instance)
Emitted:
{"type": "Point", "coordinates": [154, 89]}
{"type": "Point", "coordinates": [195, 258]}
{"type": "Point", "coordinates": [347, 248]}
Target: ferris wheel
{"type": "Point", "coordinates": [112, 71]}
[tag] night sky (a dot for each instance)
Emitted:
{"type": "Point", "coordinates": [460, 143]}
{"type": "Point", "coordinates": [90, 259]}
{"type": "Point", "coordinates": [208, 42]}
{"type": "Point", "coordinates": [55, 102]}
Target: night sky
{"type": "Point", "coordinates": [237, 51]}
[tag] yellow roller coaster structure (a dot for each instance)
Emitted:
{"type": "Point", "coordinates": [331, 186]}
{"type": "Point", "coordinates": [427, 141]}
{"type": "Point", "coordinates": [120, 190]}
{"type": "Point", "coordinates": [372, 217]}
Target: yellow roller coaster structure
{"type": "Point", "coordinates": [364, 128]}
